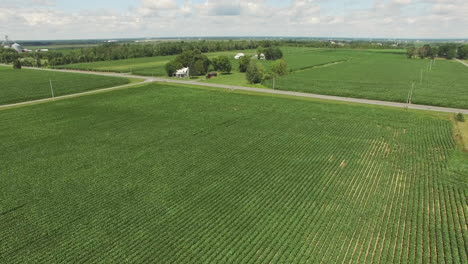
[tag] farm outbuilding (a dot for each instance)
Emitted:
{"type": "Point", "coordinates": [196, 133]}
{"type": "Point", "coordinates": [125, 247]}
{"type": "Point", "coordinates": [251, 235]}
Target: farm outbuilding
{"type": "Point", "coordinates": [182, 73]}
{"type": "Point", "coordinates": [17, 47]}
{"type": "Point", "coordinates": [257, 57]}
{"type": "Point", "coordinates": [239, 55]}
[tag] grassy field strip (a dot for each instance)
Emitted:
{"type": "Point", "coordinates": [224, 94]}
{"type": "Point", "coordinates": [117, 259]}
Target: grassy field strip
{"type": "Point", "coordinates": [62, 97]}
{"type": "Point", "coordinates": [328, 64]}
{"type": "Point", "coordinates": [26, 84]}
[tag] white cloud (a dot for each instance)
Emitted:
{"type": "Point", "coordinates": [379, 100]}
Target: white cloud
{"type": "Point", "coordinates": [402, 2]}
{"type": "Point", "coordinates": [41, 19]}
{"type": "Point", "coordinates": [221, 8]}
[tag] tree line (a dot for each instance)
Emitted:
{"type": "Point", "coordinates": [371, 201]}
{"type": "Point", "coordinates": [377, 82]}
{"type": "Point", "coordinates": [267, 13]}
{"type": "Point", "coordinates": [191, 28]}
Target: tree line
{"type": "Point", "coordinates": [118, 51]}
{"type": "Point", "coordinates": [446, 50]}
{"type": "Point", "coordinates": [115, 51]}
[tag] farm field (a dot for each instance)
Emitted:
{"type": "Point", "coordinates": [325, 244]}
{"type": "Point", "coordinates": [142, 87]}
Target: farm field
{"type": "Point", "coordinates": [148, 66]}
{"type": "Point", "coordinates": [385, 76]}
{"type": "Point", "coordinates": [174, 174]}
{"type": "Point", "coordinates": [139, 66]}
{"type": "Point", "coordinates": [25, 85]}
{"type": "Point", "coordinates": [154, 66]}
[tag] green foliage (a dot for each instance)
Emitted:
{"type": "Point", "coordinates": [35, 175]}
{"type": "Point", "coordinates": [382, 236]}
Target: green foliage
{"type": "Point", "coordinates": [273, 53]}
{"type": "Point", "coordinates": [222, 63]}
{"type": "Point", "coordinates": [17, 64]}
{"type": "Point", "coordinates": [8, 55]}
{"type": "Point", "coordinates": [26, 85]}
{"type": "Point", "coordinates": [451, 54]}
{"type": "Point", "coordinates": [199, 68]}
{"type": "Point", "coordinates": [463, 52]}
{"type": "Point", "coordinates": [244, 63]}
{"type": "Point", "coordinates": [194, 59]}
{"type": "Point", "coordinates": [173, 174]}
{"type": "Point", "coordinates": [460, 117]}
{"type": "Point", "coordinates": [280, 68]}
{"type": "Point", "coordinates": [426, 52]}
{"type": "Point", "coordinates": [255, 72]}
{"type": "Point", "coordinates": [114, 51]}
{"type": "Point", "coordinates": [411, 52]}
{"type": "Point", "coordinates": [172, 66]}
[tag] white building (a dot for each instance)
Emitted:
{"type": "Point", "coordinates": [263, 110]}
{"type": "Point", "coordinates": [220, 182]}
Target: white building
{"type": "Point", "coordinates": [239, 55]}
{"type": "Point", "coordinates": [17, 47]}
{"type": "Point", "coordinates": [256, 57]}
{"type": "Point", "coordinates": [182, 73]}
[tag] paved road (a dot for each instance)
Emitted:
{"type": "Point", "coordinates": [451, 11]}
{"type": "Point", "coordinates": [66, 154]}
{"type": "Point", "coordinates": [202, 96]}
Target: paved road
{"type": "Point", "coordinates": [241, 88]}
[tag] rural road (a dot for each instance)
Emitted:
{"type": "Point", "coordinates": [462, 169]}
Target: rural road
{"type": "Point", "coordinates": [233, 87]}
{"type": "Point", "coordinates": [462, 62]}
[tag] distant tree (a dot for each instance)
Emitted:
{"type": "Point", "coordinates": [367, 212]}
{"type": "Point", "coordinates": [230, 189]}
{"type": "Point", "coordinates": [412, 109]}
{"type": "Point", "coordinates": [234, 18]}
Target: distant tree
{"type": "Point", "coordinates": [280, 68]}
{"type": "Point", "coordinates": [255, 72]}
{"type": "Point", "coordinates": [273, 53]}
{"type": "Point", "coordinates": [463, 52]}
{"type": "Point", "coordinates": [194, 59]}
{"type": "Point", "coordinates": [17, 64]}
{"type": "Point", "coordinates": [435, 51]}
{"type": "Point", "coordinates": [451, 53]}
{"type": "Point", "coordinates": [172, 67]}
{"type": "Point", "coordinates": [448, 51]}
{"type": "Point", "coordinates": [199, 68]}
{"type": "Point", "coordinates": [244, 63]}
{"type": "Point", "coordinates": [411, 52]}
{"type": "Point", "coordinates": [38, 62]}
{"type": "Point", "coordinates": [460, 117]}
{"type": "Point", "coordinates": [222, 63]}
{"type": "Point", "coordinates": [8, 55]}
{"type": "Point", "coordinates": [426, 52]}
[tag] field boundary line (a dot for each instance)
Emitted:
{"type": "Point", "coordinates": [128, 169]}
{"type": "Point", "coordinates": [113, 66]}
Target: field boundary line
{"type": "Point", "coordinates": [242, 88]}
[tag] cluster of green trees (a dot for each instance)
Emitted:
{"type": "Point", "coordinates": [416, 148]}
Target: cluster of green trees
{"type": "Point", "coordinates": [448, 51]}
{"type": "Point", "coordinates": [271, 53]}
{"type": "Point", "coordinates": [10, 56]}
{"type": "Point", "coordinates": [198, 63]}
{"type": "Point", "coordinates": [115, 51]}
{"type": "Point", "coordinates": [256, 73]}
{"type": "Point", "coordinates": [222, 64]}
{"type": "Point", "coordinates": [194, 59]}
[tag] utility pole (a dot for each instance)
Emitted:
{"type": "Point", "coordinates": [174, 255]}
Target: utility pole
{"type": "Point", "coordinates": [51, 88]}
{"type": "Point", "coordinates": [421, 76]}
{"type": "Point", "coordinates": [411, 96]}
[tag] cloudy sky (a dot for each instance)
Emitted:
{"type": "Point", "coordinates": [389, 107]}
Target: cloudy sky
{"type": "Point", "coordinates": [76, 19]}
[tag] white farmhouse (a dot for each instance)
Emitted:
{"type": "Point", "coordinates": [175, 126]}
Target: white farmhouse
{"type": "Point", "coordinates": [182, 73]}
